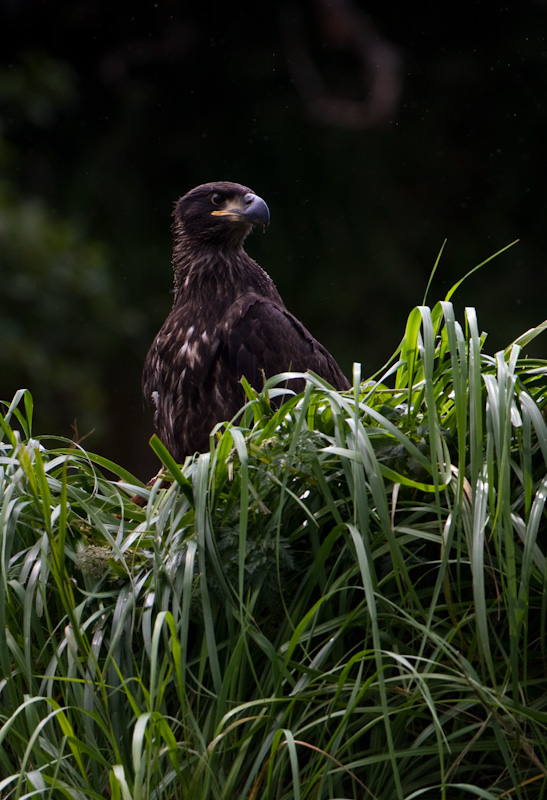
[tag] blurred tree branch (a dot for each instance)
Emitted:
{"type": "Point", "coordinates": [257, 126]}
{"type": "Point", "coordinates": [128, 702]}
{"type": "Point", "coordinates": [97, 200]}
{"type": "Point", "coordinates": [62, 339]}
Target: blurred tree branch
{"type": "Point", "coordinates": [364, 67]}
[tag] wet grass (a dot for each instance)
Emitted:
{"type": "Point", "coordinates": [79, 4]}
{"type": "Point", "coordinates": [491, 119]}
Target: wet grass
{"type": "Point", "coordinates": [345, 598]}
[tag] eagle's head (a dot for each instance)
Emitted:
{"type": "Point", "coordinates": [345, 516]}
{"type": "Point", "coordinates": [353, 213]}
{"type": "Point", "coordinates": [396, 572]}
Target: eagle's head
{"type": "Point", "coordinates": [220, 214]}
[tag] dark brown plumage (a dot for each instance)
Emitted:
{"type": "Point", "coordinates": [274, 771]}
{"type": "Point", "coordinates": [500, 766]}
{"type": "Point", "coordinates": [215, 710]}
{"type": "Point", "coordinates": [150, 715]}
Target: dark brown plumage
{"type": "Point", "coordinates": [227, 320]}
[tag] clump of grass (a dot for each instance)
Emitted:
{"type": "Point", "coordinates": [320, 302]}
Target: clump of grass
{"type": "Point", "coordinates": [345, 598]}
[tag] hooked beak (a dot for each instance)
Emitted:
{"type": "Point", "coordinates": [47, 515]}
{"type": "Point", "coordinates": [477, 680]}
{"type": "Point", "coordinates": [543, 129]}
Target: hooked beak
{"type": "Point", "coordinates": [250, 209]}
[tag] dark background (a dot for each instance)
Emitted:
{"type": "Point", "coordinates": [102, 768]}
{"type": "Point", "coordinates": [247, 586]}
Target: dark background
{"type": "Point", "coordinates": [373, 130]}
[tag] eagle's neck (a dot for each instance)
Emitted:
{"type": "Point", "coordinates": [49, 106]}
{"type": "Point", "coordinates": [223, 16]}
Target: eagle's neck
{"type": "Point", "coordinates": [213, 273]}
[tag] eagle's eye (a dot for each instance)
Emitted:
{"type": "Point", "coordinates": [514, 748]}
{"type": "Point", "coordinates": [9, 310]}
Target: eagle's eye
{"type": "Point", "coordinates": [217, 199]}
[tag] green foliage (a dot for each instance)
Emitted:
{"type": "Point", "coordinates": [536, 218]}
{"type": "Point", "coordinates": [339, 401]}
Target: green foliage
{"type": "Point", "coordinates": [49, 267]}
{"type": "Point", "coordinates": [345, 598]}
{"type": "Point", "coordinates": [58, 305]}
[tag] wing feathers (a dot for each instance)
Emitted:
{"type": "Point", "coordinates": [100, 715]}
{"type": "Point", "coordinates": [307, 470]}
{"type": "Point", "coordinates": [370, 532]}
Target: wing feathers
{"type": "Point", "coordinates": [263, 337]}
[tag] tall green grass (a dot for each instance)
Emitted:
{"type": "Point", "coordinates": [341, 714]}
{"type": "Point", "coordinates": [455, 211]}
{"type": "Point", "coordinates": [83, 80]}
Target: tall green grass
{"type": "Point", "coordinates": [345, 598]}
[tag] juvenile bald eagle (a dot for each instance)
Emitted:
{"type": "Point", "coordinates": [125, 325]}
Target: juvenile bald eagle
{"type": "Point", "coordinates": [227, 320]}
